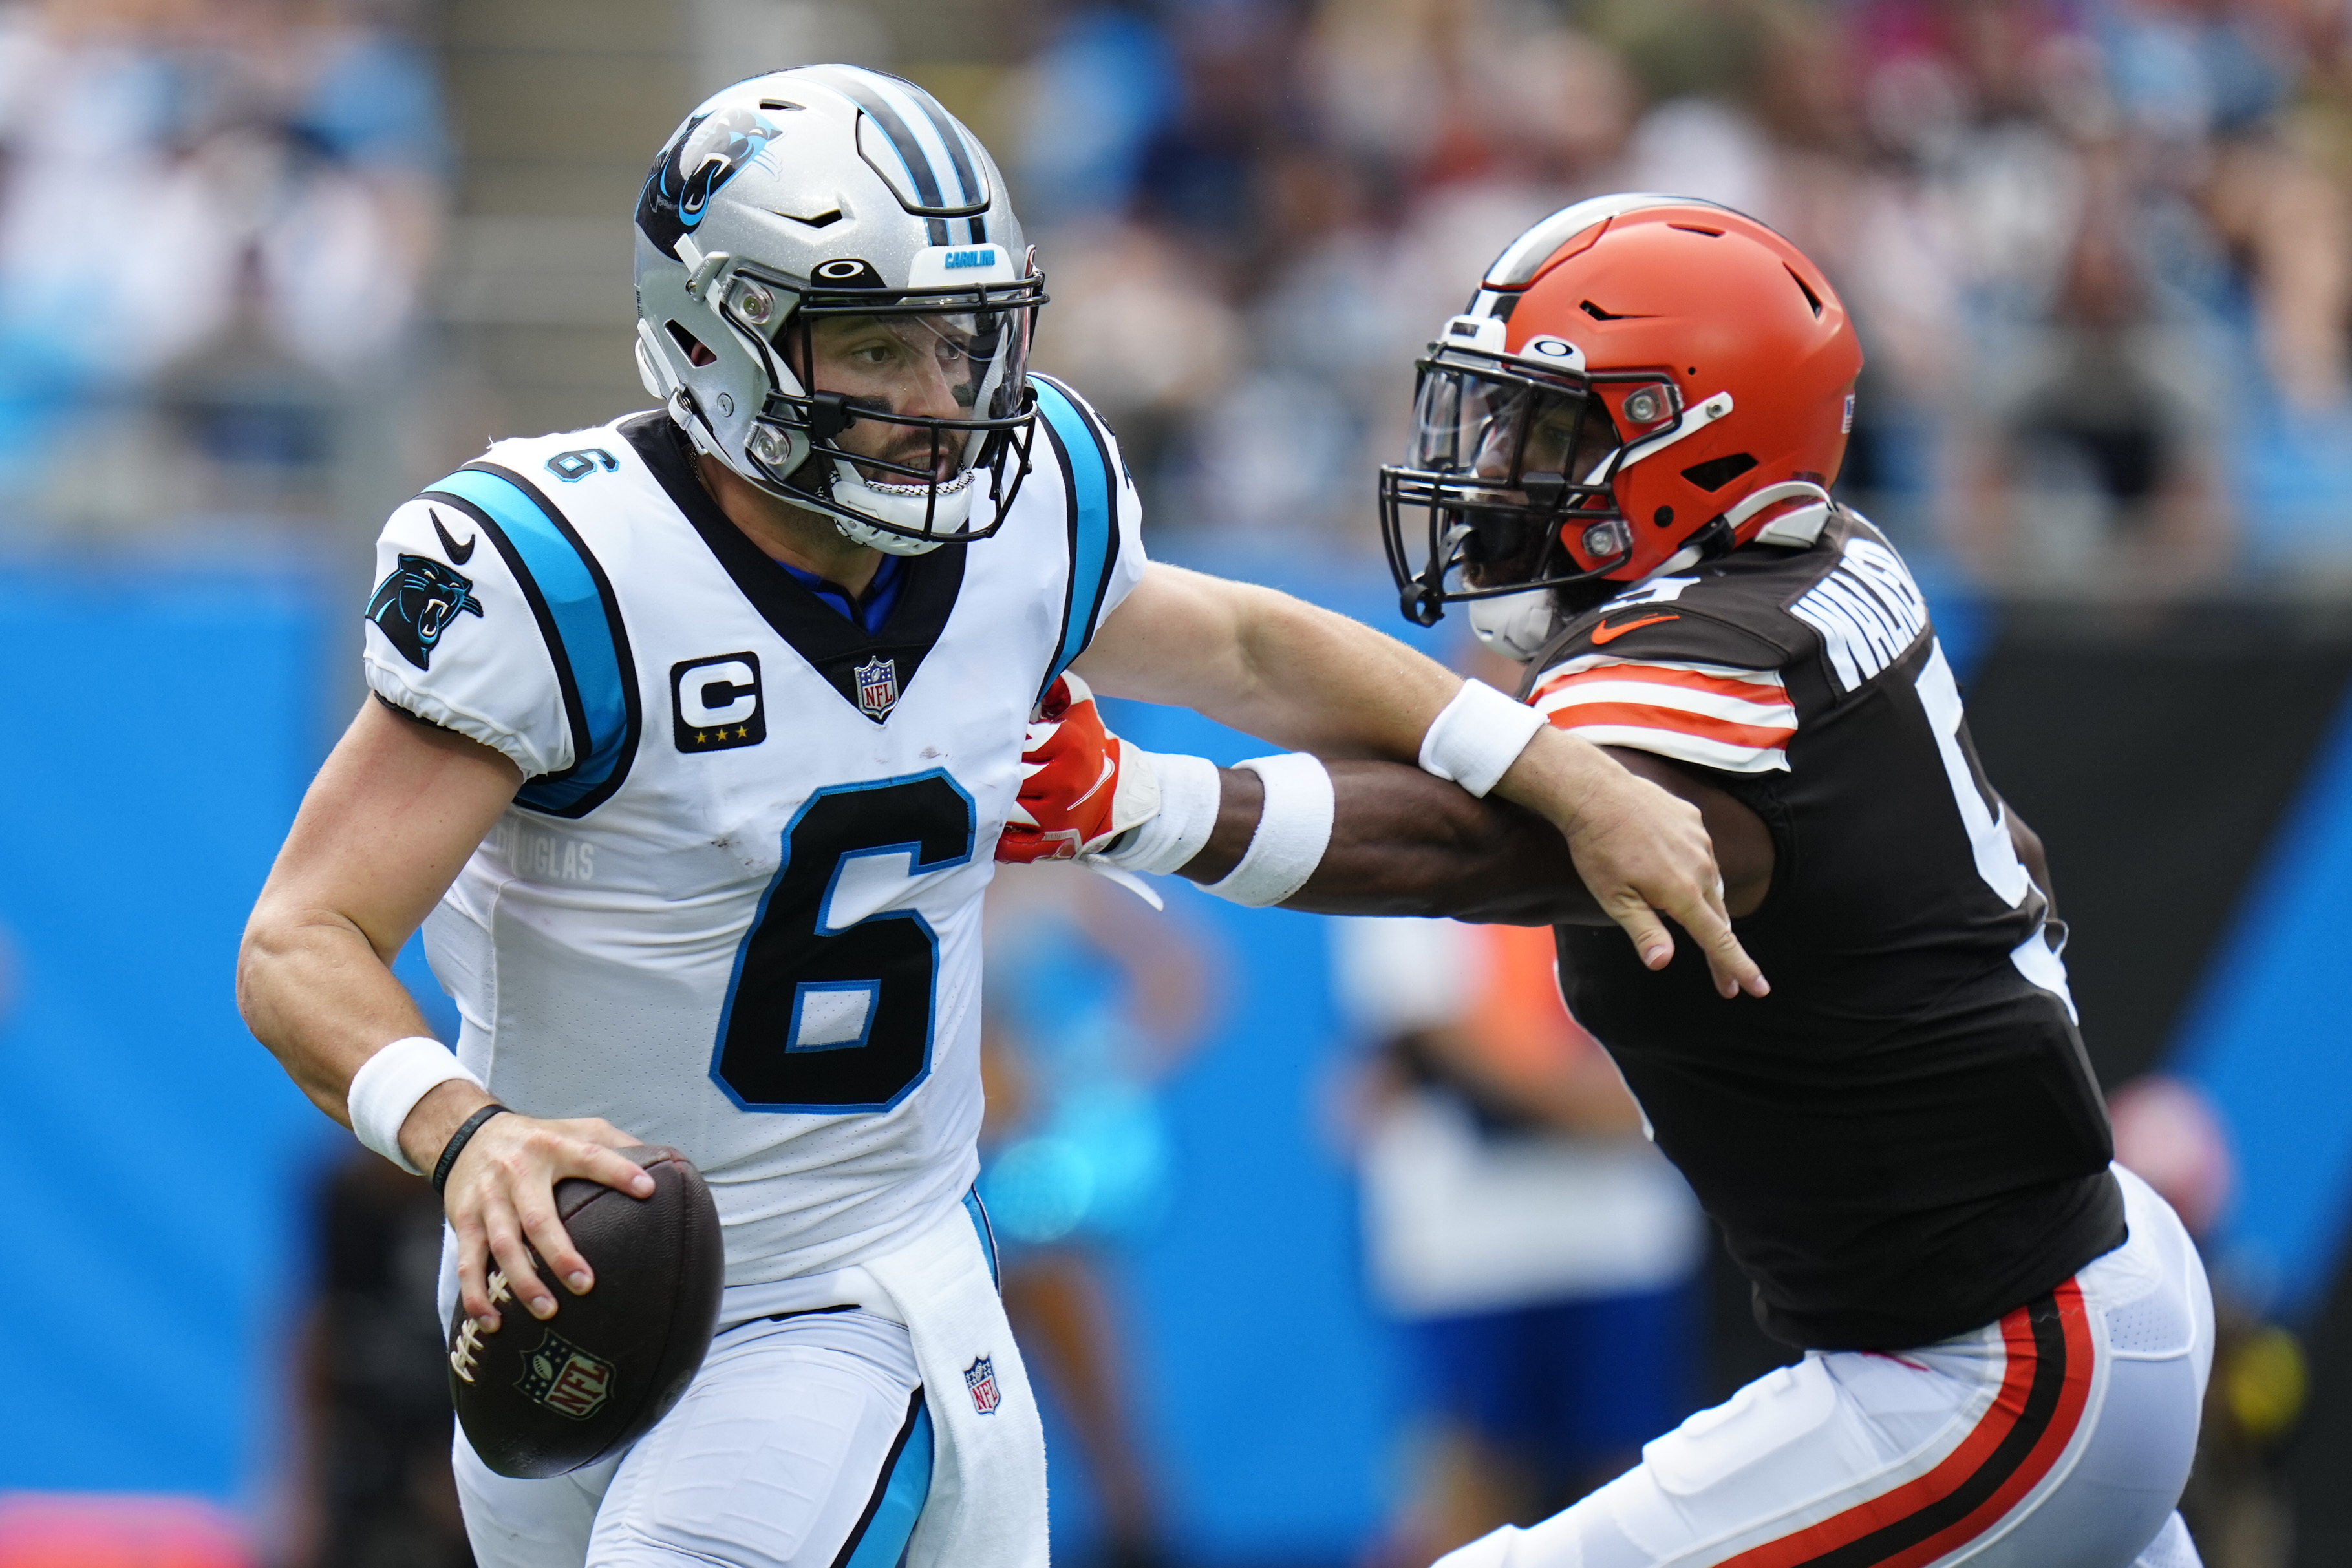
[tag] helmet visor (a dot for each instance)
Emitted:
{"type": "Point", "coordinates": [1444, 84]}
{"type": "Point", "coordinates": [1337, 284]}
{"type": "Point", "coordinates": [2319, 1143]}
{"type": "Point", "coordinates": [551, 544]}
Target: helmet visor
{"type": "Point", "coordinates": [1502, 457]}
{"type": "Point", "coordinates": [1499, 431]}
{"type": "Point", "coordinates": [891, 410]}
{"type": "Point", "coordinates": [917, 391]}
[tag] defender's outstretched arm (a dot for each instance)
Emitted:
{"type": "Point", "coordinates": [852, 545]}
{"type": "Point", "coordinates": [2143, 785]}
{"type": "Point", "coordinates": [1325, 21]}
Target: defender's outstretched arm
{"type": "Point", "coordinates": [1403, 842]}
{"type": "Point", "coordinates": [1301, 676]}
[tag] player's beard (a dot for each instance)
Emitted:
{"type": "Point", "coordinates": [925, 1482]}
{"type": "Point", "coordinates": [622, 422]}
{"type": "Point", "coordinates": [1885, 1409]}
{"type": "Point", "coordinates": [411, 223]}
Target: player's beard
{"type": "Point", "coordinates": [913, 451]}
{"type": "Point", "coordinates": [1527, 551]}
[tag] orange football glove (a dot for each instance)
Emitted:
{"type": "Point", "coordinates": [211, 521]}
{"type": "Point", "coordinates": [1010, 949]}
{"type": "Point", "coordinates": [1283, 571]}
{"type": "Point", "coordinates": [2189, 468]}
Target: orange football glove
{"type": "Point", "coordinates": [1081, 786]}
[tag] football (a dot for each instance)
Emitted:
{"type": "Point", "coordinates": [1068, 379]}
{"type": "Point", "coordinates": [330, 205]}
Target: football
{"type": "Point", "coordinates": [540, 1399]}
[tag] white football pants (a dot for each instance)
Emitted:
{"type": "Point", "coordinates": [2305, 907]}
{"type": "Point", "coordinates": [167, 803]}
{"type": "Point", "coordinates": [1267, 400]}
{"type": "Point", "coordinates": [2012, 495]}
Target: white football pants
{"type": "Point", "coordinates": [800, 1444]}
{"type": "Point", "coordinates": [2058, 1437]}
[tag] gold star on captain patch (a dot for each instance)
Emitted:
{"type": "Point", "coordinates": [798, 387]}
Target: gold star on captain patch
{"type": "Point", "coordinates": [699, 738]}
{"type": "Point", "coordinates": [743, 732]}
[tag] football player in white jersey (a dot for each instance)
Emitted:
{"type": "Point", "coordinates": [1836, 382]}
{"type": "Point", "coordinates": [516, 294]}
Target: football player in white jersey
{"type": "Point", "coordinates": [691, 737]}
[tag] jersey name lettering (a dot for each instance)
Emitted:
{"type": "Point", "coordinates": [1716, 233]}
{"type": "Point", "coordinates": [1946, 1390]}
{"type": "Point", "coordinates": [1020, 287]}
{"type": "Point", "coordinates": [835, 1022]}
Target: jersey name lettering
{"type": "Point", "coordinates": [1868, 611]}
{"type": "Point", "coordinates": [551, 857]}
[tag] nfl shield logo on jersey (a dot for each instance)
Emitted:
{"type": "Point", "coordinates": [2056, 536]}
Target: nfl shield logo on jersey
{"type": "Point", "coordinates": [878, 687]}
{"type": "Point", "coordinates": [980, 1379]}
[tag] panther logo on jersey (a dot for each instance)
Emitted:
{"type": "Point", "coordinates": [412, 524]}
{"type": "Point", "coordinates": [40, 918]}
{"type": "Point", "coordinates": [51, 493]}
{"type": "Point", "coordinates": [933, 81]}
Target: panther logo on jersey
{"type": "Point", "coordinates": [706, 155]}
{"type": "Point", "coordinates": [415, 603]}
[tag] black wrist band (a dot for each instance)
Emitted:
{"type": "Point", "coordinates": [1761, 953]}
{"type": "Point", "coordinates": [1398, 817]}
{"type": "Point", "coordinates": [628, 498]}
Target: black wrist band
{"type": "Point", "coordinates": [459, 1139]}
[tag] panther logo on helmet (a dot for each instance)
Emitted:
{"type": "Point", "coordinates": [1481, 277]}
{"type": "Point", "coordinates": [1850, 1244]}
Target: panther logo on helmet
{"type": "Point", "coordinates": [709, 150]}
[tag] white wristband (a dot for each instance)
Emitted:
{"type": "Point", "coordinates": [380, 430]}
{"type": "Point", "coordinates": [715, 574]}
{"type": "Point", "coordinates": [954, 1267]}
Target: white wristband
{"type": "Point", "coordinates": [1476, 738]}
{"type": "Point", "coordinates": [1189, 797]}
{"type": "Point", "coordinates": [1294, 828]}
{"type": "Point", "coordinates": [388, 1085]}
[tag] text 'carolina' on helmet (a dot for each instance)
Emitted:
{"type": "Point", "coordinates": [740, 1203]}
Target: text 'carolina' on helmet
{"type": "Point", "coordinates": [836, 300]}
{"type": "Point", "coordinates": [1640, 383]}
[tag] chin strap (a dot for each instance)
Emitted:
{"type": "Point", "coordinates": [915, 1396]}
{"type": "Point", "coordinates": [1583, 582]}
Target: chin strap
{"type": "Point", "coordinates": [689, 419]}
{"type": "Point", "coordinates": [853, 492]}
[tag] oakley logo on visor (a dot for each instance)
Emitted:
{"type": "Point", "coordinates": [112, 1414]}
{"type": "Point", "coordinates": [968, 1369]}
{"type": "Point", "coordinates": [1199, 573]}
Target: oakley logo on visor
{"type": "Point", "coordinates": [848, 272]}
{"type": "Point", "coordinates": [1559, 351]}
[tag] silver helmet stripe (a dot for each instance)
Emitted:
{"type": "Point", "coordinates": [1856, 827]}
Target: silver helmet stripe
{"type": "Point", "coordinates": [1525, 255]}
{"type": "Point", "coordinates": [910, 119]}
{"type": "Point", "coordinates": [968, 179]}
{"type": "Point", "coordinates": [856, 86]}
{"type": "Point", "coordinates": [941, 148]}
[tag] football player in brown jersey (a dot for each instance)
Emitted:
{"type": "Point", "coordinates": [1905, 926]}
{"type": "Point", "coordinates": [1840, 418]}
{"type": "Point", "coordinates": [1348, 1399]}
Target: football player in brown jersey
{"type": "Point", "coordinates": [1621, 461]}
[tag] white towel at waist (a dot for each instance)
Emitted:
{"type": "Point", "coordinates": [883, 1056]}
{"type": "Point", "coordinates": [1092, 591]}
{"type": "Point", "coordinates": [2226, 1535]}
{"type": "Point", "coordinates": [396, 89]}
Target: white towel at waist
{"type": "Point", "coordinates": [987, 1505]}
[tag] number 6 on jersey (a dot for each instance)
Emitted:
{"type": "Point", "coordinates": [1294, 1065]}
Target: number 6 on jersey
{"type": "Point", "coordinates": [830, 1006]}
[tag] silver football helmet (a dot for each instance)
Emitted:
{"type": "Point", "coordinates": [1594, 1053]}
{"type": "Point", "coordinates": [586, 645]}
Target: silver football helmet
{"type": "Point", "coordinates": [836, 300]}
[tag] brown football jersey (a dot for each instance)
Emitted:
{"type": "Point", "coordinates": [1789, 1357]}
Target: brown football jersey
{"type": "Point", "coordinates": [1904, 1140]}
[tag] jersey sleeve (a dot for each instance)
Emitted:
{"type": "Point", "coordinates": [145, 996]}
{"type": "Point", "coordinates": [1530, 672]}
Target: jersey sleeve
{"type": "Point", "coordinates": [453, 638]}
{"type": "Point", "coordinates": [1710, 715]}
{"type": "Point", "coordinates": [1105, 515]}
{"type": "Point", "coordinates": [1128, 561]}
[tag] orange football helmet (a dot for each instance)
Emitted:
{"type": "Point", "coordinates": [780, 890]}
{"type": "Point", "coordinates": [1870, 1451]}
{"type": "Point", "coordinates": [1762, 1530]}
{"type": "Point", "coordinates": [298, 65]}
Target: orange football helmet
{"type": "Point", "coordinates": [1640, 383]}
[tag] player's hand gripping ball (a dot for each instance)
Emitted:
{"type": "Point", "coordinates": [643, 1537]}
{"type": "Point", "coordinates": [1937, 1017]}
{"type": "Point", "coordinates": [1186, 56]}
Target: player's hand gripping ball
{"type": "Point", "coordinates": [540, 1399]}
{"type": "Point", "coordinates": [1081, 786]}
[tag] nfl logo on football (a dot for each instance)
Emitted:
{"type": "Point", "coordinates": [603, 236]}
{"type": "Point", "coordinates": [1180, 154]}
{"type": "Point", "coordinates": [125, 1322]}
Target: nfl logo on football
{"type": "Point", "coordinates": [980, 1379]}
{"type": "Point", "coordinates": [878, 687]}
{"type": "Point", "coordinates": [565, 1378]}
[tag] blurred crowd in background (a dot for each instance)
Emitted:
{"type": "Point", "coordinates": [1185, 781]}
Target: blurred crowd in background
{"type": "Point", "coordinates": [217, 221]}
{"type": "Point", "coordinates": [2100, 252]}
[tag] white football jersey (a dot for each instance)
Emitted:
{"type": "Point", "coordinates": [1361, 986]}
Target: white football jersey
{"type": "Point", "coordinates": [735, 908]}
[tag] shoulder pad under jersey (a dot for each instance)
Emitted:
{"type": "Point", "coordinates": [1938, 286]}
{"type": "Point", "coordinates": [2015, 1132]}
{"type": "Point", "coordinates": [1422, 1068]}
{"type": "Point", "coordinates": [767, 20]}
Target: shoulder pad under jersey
{"type": "Point", "coordinates": [1845, 598]}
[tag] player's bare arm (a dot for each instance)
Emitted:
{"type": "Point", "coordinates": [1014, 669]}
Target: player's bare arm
{"type": "Point", "coordinates": [1278, 668]}
{"type": "Point", "coordinates": [1403, 842]}
{"type": "Point", "coordinates": [390, 817]}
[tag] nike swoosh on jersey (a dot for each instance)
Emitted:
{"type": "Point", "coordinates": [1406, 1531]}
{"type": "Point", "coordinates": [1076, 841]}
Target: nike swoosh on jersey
{"type": "Point", "coordinates": [458, 554]}
{"type": "Point", "coordinates": [1605, 633]}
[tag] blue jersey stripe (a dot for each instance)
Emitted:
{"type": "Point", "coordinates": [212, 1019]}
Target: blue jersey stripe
{"type": "Point", "coordinates": [900, 1503]}
{"type": "Point", "coordinates": [586, 633]}
{"type": "Point", "coordinates": [1094, 530]}
{"type": "Point", "coordinates": [979, 1212]}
